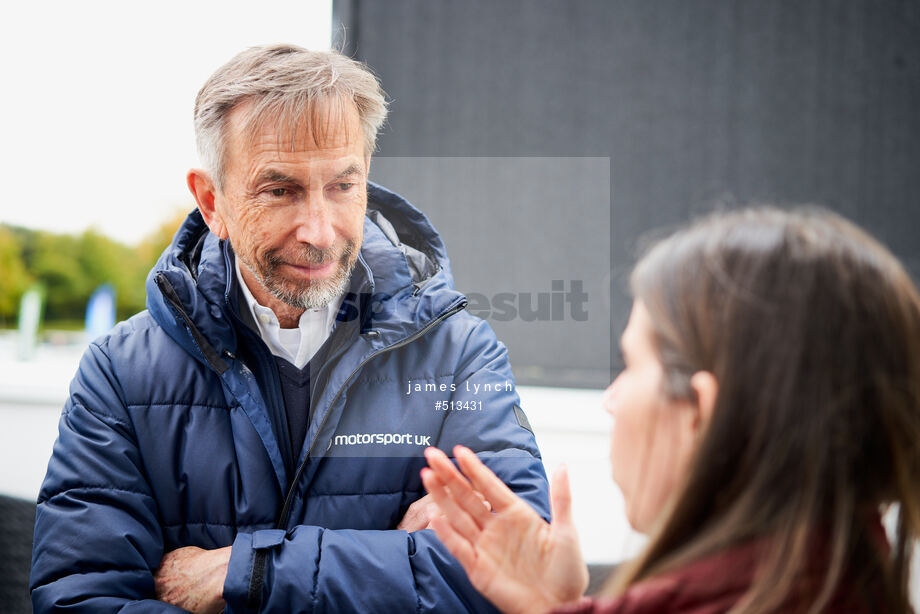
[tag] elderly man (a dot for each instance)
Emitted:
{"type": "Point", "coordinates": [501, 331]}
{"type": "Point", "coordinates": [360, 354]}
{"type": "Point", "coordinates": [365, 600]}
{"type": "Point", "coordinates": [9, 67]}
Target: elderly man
{"type": "Point", "coordinates": [253, 441]}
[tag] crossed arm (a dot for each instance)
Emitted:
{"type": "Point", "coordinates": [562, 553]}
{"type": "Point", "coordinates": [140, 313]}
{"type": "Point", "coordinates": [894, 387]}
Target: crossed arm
{"type": "Point", "coordinates": [193, 578]}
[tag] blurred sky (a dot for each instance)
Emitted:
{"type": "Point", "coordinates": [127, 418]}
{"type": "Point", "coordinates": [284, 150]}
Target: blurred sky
{"type": "Point", "coordinates": [97, 102]}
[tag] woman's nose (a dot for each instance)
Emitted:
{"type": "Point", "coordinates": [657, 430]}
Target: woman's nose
{"type": "Point", "coordinates": [608, 400]}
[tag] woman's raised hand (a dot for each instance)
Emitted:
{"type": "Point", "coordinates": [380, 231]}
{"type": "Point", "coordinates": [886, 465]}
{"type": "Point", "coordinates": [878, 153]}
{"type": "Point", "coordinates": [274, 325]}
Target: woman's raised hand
{"type": "Point", "coordinates": [517, 560]}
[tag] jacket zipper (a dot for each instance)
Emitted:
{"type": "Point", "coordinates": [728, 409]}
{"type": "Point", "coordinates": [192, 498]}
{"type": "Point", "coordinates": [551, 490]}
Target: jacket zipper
{"type": "Point", "coordinates": [256, 580]}
{"type": "Point", "coordinates": [289, 499]}
{"type": "Point", "coordinates": [206, 349]}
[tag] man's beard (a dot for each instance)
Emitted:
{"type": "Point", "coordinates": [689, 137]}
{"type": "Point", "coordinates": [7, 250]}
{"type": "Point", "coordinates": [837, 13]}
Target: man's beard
{"type": "Point", "coordinates": [303, 294]}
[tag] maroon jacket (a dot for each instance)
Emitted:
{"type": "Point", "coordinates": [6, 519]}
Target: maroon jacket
{"type": "Point", "coordinates": [711, 585]}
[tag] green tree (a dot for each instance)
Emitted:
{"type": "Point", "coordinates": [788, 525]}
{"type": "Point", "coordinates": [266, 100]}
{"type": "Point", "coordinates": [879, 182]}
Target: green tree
{"type": "Point", "coordinates": [148, 252]}
{"type": "Point", "coordinates": [105, 261]}
{"type": "Point", "coordinates": [53, 262]}
{"type": "Point", "coordinates": [14, 278]}
{"type": "Point", "coordinates": [71, 267]}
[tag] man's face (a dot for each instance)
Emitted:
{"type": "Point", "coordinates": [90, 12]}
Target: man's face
{"type": "Point", "coordinates": [294, 208]}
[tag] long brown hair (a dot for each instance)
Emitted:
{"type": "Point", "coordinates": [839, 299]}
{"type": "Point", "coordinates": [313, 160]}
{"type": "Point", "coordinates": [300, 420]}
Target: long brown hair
{"type": "Point", "coordinates": [812, 329]}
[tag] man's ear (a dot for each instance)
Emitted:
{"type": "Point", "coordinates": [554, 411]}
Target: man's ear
{"type": "Point", "coordinates": [705, 390]}
{"type": "Point", "coordinates": [202, 188]}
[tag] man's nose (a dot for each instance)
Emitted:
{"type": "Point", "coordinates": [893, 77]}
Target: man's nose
{"type": "Point", "coordinates": [314, 223]}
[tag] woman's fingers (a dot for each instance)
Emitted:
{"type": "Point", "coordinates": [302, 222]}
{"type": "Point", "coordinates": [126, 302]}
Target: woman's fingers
{"type": "Point", "coordinates": [460, 489]}
{"type": "Point", "coordinates": [441, 465]}
{"type": "Point", "coordinates": [459, 519]}
{"type": "Point", "coordinates": [483, 480]}
{"type": "Point", "coordinates": [560, 497]}
{"type": "Point", "coordinates": [462, 549]}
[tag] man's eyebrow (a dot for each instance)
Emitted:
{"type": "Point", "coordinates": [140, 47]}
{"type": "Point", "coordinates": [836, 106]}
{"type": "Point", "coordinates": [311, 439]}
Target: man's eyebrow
{"type": "Point", "coordinates": [353, 169]}
{"type": "Point", "coordinates": [271, 175]}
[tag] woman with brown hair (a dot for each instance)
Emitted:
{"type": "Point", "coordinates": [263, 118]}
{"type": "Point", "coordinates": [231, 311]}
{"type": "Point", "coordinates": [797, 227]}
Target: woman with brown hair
{"type": "Point", "coordinates": [768, 413]}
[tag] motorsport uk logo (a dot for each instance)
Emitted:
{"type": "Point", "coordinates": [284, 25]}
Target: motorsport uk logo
{"type": "Point", "coordinates": [385, 439]}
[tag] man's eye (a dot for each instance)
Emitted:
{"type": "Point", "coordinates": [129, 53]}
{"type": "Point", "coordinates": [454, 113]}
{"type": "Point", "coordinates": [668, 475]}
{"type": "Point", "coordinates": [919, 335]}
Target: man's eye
{"type": "Point", "coordinates": [344, 187]}
{"type": "Point", "coordinates": [279, 192]}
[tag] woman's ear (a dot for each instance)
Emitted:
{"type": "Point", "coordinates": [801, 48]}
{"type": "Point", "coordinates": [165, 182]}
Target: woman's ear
{"type": "Point", "coordinates": [705, 390]}
{"type": "Point", "coordinates": [205, 193]}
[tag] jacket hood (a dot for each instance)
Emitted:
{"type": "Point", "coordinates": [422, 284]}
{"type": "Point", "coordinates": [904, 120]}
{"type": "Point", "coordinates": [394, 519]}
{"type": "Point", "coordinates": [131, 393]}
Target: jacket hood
{"type": "Point", "coordinates": [402, 265]}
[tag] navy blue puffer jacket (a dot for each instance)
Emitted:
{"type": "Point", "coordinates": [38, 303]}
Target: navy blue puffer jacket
{"type": "Point", "coordinates": [167, 440]}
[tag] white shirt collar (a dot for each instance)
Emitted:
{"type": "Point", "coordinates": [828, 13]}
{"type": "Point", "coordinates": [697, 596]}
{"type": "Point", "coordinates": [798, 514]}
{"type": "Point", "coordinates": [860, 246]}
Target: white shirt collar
{"type": "Point", "coordinates": [295, 345]}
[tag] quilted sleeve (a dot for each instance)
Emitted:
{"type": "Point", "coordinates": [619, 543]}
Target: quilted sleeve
{"type": "Point", "coordinates": [97, 538]}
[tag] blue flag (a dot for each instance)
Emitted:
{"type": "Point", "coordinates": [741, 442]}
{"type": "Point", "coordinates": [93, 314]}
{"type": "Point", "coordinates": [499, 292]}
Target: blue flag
{"type": "Point", "coordinates": [100, 311]}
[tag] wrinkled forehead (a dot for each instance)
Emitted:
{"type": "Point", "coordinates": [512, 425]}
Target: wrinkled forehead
{"type": "Point", "coordinates": [294, 126]}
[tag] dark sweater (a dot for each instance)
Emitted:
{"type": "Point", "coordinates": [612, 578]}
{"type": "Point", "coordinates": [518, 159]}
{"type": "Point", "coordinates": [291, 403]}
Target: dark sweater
{"type": "Point", "coordinates": [295, 389]}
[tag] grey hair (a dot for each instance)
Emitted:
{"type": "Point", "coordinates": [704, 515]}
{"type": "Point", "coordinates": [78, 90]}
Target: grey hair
{"type": "Point", "coordinates": [285, 84]}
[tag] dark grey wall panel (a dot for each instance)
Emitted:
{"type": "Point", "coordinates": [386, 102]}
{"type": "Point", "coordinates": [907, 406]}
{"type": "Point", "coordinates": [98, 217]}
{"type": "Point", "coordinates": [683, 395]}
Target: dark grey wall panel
{"type": "Point", "coordinates": [528, 239]}
{"type": "Point", "coordinates": [694, 102]}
